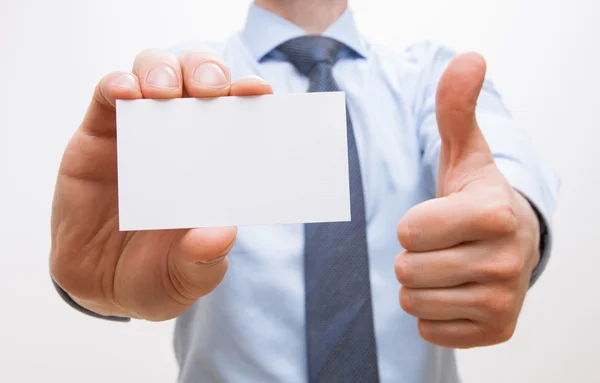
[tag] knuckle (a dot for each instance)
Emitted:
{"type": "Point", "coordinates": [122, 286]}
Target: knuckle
{"type": "Point", "coordinates": [500, 217]}
{"type": "Point", "coordinates": [432, 333]}
{"type": "Point", "coordinates": [508, 266]}
{"type": "Point", "coordinates": [407, 301]}
{"type": "Point", "coordinates": [408, 232]}
{"type": "Point", "coordinates": [503, 265]}
{"type": "Point", "coordinates": [479, 335]}
{"type": "Point", "coordinates": [500, 304]}
{"type": "Point", "coordinates": [424, 330]}
{"type": "Point", "coordinates": [500, 334]}
{"type": "Point", "coordinates": [404, 271]}
{"type": "Point", "coordinates": [506, 333]}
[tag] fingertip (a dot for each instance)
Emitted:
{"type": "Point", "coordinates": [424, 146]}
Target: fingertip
{"type": "Point", "coordinates": [250, 86]}
{"type": "Point", "coordinates": [472, 60]}
{"type": "Point", "coordinates": [125, 80]}
{"type": "Point", "coordinates": [205, 74]}
{"type": "Point", "coordinates": [198, 258]}
{"type": "Point", "coordinates": [461, 82]}
{"type": "Point", "coordinates": [124, 86]}
{"type": "Point", "coordinates": [399, 264]}
{"type": "Point", "coordinates": [120, 86]}
{"type": "Point", "coordinates": [159, 74]}
{"type": "Point", "coordinates": [205, 244]}
{"type": "Point", "coordinates": [408, 236]}
{"type": "Point", "coordinates": [456, 98]}
{"type": "Point", "coordinates": [423, 325]}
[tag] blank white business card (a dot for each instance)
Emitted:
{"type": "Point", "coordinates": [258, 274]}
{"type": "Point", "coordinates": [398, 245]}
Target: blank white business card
{"type": "Point", "coordinates": [272, 159]}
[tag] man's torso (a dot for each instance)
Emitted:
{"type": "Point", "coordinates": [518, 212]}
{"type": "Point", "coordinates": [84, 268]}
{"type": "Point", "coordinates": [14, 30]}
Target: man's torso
{"type": "Point", "coordinates": [251, 328]}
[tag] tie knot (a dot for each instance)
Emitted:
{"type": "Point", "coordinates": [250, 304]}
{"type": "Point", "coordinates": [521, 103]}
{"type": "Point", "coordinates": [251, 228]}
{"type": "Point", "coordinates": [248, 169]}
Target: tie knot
{"type": "Point", "coordinates": [306, 51]}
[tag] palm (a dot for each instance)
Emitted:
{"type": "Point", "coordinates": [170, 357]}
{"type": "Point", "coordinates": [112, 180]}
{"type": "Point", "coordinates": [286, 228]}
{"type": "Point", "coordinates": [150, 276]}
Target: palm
{"type": "Point", "coordinates": [87, 193]}
{"type": "Point", "coordinates": [153, 275]}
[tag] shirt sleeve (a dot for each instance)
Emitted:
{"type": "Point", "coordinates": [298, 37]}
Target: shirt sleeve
{"type": "Point", "coordinates": [514, 153]}
{"type": "Point", "coordinates": [68, 300]}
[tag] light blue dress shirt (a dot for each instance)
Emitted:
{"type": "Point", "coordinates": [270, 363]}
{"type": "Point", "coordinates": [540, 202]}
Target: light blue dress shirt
{"type": "Point", "coordinates": [251, 328]}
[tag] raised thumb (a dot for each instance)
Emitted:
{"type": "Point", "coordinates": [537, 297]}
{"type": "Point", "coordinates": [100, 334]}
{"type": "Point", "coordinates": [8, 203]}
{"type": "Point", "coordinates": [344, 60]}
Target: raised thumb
{"type": "Point", "coordinates": [464, 148]}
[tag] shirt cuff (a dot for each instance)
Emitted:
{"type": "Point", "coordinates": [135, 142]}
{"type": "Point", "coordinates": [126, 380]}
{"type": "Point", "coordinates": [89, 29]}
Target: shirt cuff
{"type": "Point", "coordinates": [63, 294]}
{"type": "Point", "coordinates": [532, 188]}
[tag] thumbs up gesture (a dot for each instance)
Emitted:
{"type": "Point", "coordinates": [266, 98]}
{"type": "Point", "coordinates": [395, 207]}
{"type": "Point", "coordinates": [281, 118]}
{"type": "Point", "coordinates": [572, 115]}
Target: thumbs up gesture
{"type": "Point", "coordinates": [470, 252]}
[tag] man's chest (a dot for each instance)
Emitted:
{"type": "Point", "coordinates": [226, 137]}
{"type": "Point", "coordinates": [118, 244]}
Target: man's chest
{"type": "Point", "coordinates": [390, 159]}
{"type": "Point", "coordinates": [389, 150]}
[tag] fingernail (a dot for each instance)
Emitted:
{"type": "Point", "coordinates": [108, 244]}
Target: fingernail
{"type": "Point", "coordinates": [211, 261]}
{"type": "Point", "coordinates": [163, 77]}
{"type": "Point", "coordinates": [210, 75]}
{"type": "Point", "coordinates": [257, 78]}
{"type": "Point", "coordinates": [126, 80]}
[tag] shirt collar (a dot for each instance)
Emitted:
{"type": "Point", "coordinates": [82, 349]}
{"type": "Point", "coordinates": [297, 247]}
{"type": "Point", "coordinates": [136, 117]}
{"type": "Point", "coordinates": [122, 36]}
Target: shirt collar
{"type": "Point", "coordinates": [265, 30]}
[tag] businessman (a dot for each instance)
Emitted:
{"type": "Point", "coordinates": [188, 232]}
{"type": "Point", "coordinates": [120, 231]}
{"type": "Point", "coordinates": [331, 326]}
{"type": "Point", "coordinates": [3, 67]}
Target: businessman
{"type": "Point", "coordinates": [451, 211]}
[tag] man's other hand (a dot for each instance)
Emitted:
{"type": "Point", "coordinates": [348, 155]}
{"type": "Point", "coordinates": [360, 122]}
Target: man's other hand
{"type": "Point", "coordinates": [152, 275]}
{"type": "Point", "coordinates": [469, 253]}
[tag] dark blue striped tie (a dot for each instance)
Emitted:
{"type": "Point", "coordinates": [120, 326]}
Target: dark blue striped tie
{"type": "Point", "coordinates": [339, 316]}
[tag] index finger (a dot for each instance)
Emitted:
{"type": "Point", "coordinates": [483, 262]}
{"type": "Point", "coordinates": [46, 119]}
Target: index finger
{"type": "Point", "coordinates": [444, 222]}
{"type": "Point", "coordinates": [99, 119]}
{"type": "Point", "coordinates": [250, 86]}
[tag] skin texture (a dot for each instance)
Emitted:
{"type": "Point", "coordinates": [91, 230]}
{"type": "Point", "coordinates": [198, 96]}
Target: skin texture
{"type": "Point", "coordinates": [469, 253]}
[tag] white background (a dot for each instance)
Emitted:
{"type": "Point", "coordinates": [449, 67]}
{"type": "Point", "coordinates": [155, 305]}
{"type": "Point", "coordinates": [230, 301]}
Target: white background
{"type": "Point", "coordinates": [543, 56]}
